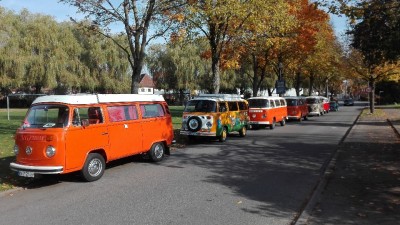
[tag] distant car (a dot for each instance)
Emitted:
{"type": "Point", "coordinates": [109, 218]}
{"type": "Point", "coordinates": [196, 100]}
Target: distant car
{"type": "Point", "coordinates": [334, 106]}
{"type": "Point", "coordinates": [348, 102]}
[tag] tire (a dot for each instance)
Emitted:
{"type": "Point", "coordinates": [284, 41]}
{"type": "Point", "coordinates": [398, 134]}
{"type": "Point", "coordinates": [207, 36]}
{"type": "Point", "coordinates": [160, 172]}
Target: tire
{"type": "Point", "coordinates": [300, 118]}
{"type": "Point", "coordinates": [305, 117]}
{"type": "Point", "coordinates": [194, 124]}
{"type": "Point", "coordinates": [283, 122]}
{"type": "Point", "coordinates": [272, 126]}
{"type": "Point", "coordinates": [157, 152]}
{"type": "Point", "coordinates": [224, 134]}
{"type": "Point", "coordinates": [243, 131]}
{"type": "Point", "coordinates": [94, 167]}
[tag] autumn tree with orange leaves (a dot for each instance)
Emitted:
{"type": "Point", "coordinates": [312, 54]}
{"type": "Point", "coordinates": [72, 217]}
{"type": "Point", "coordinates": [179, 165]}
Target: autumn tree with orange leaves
{"type": "Point", "coordinates": [219, 22]}
{"type": "Point", "coordinates": [312, 51]}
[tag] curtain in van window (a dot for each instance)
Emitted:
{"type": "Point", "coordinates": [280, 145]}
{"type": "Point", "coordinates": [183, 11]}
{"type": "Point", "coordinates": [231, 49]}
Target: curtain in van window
{"type": "Point", "coordinates": [116, 113]}
{"type": "Point", "coordinates": [132, 112]}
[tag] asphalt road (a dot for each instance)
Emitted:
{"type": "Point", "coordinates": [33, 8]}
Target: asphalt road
{"type": "Point", "coordinates": [263, 178]}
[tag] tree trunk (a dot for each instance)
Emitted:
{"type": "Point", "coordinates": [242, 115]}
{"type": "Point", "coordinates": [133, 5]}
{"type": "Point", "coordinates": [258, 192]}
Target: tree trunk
{"type": "Point", "coordinates": [310, 90]}
{"type": "Point", "coordinates": [215, 73]}
{"type": "Point", "coordinates": [372, 95]}
{"type": "Point", "coordinates": [298, 82]}
{"type": "Point", "coordinates": [255, 76]}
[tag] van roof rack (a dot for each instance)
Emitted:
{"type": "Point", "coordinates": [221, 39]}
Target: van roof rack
{"type": "Point", "coordinates": [97, 98]}
{"type": "Point", "coordinates": [226, 97]}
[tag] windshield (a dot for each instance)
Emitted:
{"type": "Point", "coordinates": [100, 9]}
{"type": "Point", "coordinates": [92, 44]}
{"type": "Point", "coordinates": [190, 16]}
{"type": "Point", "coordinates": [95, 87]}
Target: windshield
{"type": "Point", "coordinates": [258, 103]}
{"type": "Point", "coordinates": [200, 106]}
{"type": "Point", "coordinates": [312, 101]}
{"type": "Point", "coordinates": [47, 116]}
{"type": "Point", "coordinates": [291, 102]}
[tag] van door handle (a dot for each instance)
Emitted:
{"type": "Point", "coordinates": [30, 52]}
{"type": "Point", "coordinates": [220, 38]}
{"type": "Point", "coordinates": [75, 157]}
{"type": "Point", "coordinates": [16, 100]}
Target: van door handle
{"type": "Point", "coordinates": [104, 133]}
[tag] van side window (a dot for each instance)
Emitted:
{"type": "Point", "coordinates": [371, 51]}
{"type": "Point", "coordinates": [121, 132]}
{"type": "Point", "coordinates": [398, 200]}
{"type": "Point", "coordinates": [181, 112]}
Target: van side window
{"type": "Point", "coordinates": [122, 113]}
{"type": "Point", "coordinates": [151, 110]}
{"type": "Point", "coordinates": [283, 103]}
{"type": "Point", "coordinates": [233, 106]}
{"type": "Point", "coordinates": [277, 103]}
{"type": "Point", "coordinates": [272, 103]}
{"type": "Point", "coordinates": [222, 107]}
{"type": "Point", "coordinates": [242, 106]}
{"type": "Point", "coordinates": [93, 114]}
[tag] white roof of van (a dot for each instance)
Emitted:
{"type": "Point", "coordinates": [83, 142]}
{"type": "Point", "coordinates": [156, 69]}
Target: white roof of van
{"type": "Point", "coordinates": [219, 97]}
{"type": "Point", "coordinates": [267, 97]}
{"type": "Point", "coordinates": [81, 99]}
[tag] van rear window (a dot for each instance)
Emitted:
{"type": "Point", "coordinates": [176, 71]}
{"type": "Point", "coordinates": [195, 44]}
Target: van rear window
{"type": "Point", "coordinates": [312, 101]}
{"type": "Point", "coordinates": [151, 110]}
{"type": "Point", "coordinates": [201, 106]}
{"type": "Point", "coordinates": [291, 102]}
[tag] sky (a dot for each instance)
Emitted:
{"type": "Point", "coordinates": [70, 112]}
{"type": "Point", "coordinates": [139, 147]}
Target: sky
{"type": "Point", "coordinates": [62, 12]}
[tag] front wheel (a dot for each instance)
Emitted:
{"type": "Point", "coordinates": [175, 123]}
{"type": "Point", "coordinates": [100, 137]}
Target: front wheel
{"type": "Point", "coordinates": [94, 167]}
{"type": "Point", "coordinates": [157, 152]}
{"type": "Point", "coordinates": [272, 126]}
{"type": "Point", "coordinates": [224, 134]}
{"type": "Point", "coordinates": [243, 131]}
{"type": "Point", "coordinates": [283, 122]}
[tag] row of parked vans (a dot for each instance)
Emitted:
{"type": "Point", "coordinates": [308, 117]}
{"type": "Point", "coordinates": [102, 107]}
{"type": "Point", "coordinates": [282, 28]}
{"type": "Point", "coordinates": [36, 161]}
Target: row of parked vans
{"type": "Point", "coordinates": [67, 133]}
{"type": "Point", "coordinates": [216, 115]}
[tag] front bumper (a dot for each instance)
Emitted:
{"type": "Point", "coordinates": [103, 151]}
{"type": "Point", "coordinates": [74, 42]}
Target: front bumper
{"type": "Point", "coordinates": [37, 169]}
{"type": "Point", "coordinates": [205, 134]}
{"type": "Point", "coordinates": [258, 122]}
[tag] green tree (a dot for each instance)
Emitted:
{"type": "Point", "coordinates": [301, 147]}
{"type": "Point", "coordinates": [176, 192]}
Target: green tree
{"type": "Point", "coordinates": [219, 21]}
{"type": "Point", "coordinates": [377, 35]}
{"type": "Point", "coordinates": [11, 60]}
{"type": "Point", "coordinates": [136, 18]}
{"type": "Point", "coordinates": [177, 66]}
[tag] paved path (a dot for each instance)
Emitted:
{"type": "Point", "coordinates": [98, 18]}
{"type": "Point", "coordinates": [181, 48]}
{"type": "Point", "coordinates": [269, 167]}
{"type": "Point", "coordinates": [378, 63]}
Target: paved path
{"type": "Point", "coordinates": [364, 186]}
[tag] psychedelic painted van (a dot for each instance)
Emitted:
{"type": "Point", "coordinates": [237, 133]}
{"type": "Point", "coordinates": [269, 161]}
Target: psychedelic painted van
{"type": "Point", "coordinates": [215, 115]}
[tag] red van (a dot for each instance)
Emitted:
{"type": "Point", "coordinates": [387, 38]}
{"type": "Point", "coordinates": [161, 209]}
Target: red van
{"type": "Point", "coordinates": [326, 104]}
{"type": "Point", "coordinates": [297, 108]}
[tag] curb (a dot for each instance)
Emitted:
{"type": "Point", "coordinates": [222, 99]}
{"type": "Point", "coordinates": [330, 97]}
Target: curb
{"type": "Point", "coordinates": [327, 169]}
{"type": "Point", "coordinates": [393, 127]}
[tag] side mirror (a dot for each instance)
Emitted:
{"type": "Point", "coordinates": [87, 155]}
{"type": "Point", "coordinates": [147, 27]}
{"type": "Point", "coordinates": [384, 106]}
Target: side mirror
{"type": "Point", "coordinates": [85, 122]}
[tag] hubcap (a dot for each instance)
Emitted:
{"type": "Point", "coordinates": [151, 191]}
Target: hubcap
{"type": "Point", "coordinates": [158, 151]}
{"type": "Point", "coordinates": [95, 167]}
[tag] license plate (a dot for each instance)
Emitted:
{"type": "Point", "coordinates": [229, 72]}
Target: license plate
{"type": "Point", "coordinates": [26, 174]}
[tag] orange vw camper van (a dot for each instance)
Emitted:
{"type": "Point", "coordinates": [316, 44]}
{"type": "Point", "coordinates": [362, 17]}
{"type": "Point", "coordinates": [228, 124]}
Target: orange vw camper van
{"type": "Point", "coordinates": [66, 133]}
{"type": "Point", "coordinates": [267, 111]}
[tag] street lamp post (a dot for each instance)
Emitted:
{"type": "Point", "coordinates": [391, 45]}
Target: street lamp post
{"type": "Point", "coordinates": [380, 101]}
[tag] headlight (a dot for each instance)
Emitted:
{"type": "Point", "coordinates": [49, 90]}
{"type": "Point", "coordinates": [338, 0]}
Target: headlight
{"type": "Point", "coordinates": [50, 151]}
{"type": "Point", "coordinates": [16, 149]}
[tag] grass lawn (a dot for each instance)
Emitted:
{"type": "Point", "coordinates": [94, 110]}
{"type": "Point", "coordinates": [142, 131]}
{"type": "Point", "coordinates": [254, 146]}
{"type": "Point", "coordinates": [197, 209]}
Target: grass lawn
{"type": "Point", "coordinates": [9, 179]}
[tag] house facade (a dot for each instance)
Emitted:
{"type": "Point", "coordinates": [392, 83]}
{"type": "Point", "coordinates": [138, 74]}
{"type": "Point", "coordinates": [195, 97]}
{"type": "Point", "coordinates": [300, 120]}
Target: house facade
{"type": "Point", "coordinates": [146, 85]}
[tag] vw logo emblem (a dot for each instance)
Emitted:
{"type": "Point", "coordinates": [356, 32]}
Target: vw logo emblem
{"type": "Point", "coordinates": [28, 150]}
